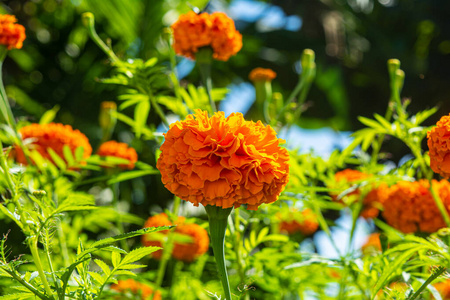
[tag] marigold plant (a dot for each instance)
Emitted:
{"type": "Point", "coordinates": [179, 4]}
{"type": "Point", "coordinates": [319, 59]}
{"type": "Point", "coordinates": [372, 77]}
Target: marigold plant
{"type": "Point", "coordinates": [439, 146]}
{"type": "Point", "coordinates": [136, 288]}
{"type": "Point", "coordinates": [295, 221]}
{"type": "Point", "coordinates": [372, 201]}
{"type": "Point", "coordinates": [55, 136]}
{"type": "Point", "coordinates": [410, 206]}
{"type": "Point", "coordinates": [11, 35]}
{"type": "Point", "coordinates": [186, 252]}
{"type": "Point", "coordinates": [223, 162]}
{"type": "Point", "coordinates": [261, 74]}
{"type": "Point", "coordinates": [120, 150]}
{"type": "Point", "coordinates": [193, 31]}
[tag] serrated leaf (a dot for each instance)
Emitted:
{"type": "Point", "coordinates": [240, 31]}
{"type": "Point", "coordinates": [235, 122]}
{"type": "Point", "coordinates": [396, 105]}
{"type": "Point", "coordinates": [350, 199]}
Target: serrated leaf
{"type": "Point", "coordinates": [124, 272]}
{"type": "Point", "coordinates": [128, 235]}
{"type": "Point", "coordinates": [131, 266]}
{"type": "Point", "coordinates": [105, 268]}
{"type": "Point", "coordinates": [97, 277]}
{"type": "Point", "coordinates": [387, 125]}
{"type": "Point", "coordinates": [115, 258]}
{"type": "Point", "coordinates": [138, 253]}
{"type": "Point", "coordinates": [372, 123]}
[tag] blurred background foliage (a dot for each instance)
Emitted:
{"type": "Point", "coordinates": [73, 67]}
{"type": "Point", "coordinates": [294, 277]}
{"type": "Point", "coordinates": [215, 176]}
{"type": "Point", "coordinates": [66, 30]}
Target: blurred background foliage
{"type": "Point", "coordinates": [59, 66]}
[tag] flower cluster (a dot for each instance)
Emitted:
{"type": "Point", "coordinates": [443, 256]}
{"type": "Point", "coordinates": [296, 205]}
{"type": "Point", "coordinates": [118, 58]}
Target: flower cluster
{"type": "Point", "coordinates": [439, 146]}
{"type": "Point", "coordinates": [410, 206]}
{"type": "Point", "coordinates": [186, 252]}
{"type": "Point", "coordinates": [11, 35]}
{"type": "Point", "coordinates": [295, 221]}
{"type": "Point", "coordinates": [135, 288]}
{"type": "Point", "coordinates": [223, 162]}
{"type": "Point", "coordinates": [54, 136]}
{"type": "Point", "coordinates": [193, 31]}
{"type": "Point", "coordinates": [120, 150]}
{"type": "Point", "coordinates": [261, 74]}
{"type": "Point", "coordinates": [372, 201]}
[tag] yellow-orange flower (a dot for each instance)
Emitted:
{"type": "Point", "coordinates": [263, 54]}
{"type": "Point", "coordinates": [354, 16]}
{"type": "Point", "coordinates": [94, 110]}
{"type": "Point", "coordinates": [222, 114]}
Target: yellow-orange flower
{"type": "Point", "coordinates": [295, 221]}
{"type": "Point", "coordinates": [136, 289]}
{"type": "Point", "coordinates": [261, 74]}
{"type": "Point", "coordinates": [193, 31]}
{"type": "Point", "coordinates": [223, 162]}
{"type": "Point", "coordinates": [373, 243]}
{"type": "Point", "coordinates": [11, 35]}
{"type": "Point", "coordinates": [410, 206]}
{"type": "Point", "coordinates": [120, 150]}
{"type": "Point", "coordinates": [439, 146]}
{"type": "Point", "coordinates": [186, 252]}
{"type": "Point", "coordinates": [373, 200]}
{"type": "Point", "coordinates": [443, 289]}
{"type": "Point", "coordinates": [54, 136]}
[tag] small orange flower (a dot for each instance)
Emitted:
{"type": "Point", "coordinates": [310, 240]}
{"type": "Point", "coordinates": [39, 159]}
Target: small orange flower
{"type": "Point", "coordinates": [120, 150]}
{"type": "Point", "coordinates": [186, 252]}
{"type": "Point", "coordinates": [11, 35]}
{"type": "Point", "coordinates": [193, 31]}
{"type": "Point", "coordinates": [136, 289]}
{"type": "Point", "coordinates": [223, 162]}
{"type": "Point", "coordinates": [295, 221]}
{"type": "Point", "coordinates": [443, 289]}
{"type": "Point", "coordinates": [261, 74]}
{"type": "Point", "coordinates": [373, 243]}
{"type": "Point", "coordinates": [54, 136]}
{"type": "Point", "coordinates": [373, 199]}
{"type": "Point", "coordinates": [410, 206]}
{"type": "Point", "coordinates": [439, 145]}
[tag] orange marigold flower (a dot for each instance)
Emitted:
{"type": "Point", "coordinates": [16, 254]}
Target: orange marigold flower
{"type": "Point", "coordinates": [54, 136]}
{"type": "Point", "coordinates": [410, 206]}
{"type": "Point", "coordinates": [11, 35]}
{"type": "Point", "coordinates": [373, 243]}
{"type": "Point", "coordinates": [186, 252]}
{"type": "Point", "coordinates": [193, 31]}
{"type": "Point", "coordinates": [373, 199]}
{"type": "Point", "coordinates": [120, 150]}
{"type": "Point", "coordinates": [444, 289]}
{"type": "Point", "coordinates": [261, 74]}
{"type": "Point", "coordinates": [223, 162]}
{"type": "Point", "coordinates": [439, 146]}
{"type": "Point", "coordinates": [295, 221]}
{"type": "Point", "coordinates": [136, 289]}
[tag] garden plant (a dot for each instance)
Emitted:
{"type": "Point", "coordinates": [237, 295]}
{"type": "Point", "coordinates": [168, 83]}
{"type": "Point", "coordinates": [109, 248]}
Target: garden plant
{"type": "Point", "coordinates": [242, 208]}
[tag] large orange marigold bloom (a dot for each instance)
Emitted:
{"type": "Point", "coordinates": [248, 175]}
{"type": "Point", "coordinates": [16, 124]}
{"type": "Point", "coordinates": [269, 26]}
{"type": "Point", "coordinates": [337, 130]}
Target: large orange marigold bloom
{"type": "Point", "coordinates": [261, 74]}
{"type": "Point", "coordinates": [410, 206]}
{"type": "Point", "coordinates": [120, 150]}
{"type": "Point", "coordinates": [136, 289]}
{"type": "Point", "coordinates": [295, 221]}
{"type": "Point", "coordinates": [373, 200]}
{"type": "Point", "coordinates": [54, 136]}
{"type": "Point", "coordinates": [186, 252]}
{"type": "Point", "coordinates": [11, 35]}
{"type": "Point", "coordinates": [223, 162]}
{"type": "Point", "coordinates": [193, 31]}
{"type": "Point", "coordinates": [439, 145]}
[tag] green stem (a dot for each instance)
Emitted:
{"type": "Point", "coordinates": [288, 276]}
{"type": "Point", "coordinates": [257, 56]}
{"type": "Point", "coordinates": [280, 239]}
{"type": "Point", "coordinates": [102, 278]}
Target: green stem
{"type": "Point", "coordinates": [439, 204]}
{"type": "Point", "coordinates": [237, 244]}
{"type": "Point", "coordinates": [4, 103]}
{"type": "Point", "coordinates": [26, 285]}
{"type": "Point", "coordinates": [204, 59]}
{"type": "Point", "coordinates": [167, 252]}
{"type": "Point", "coordinates": [32, 243]}
{"type": "Point", "coordinates": [119, 224]}
{"type": "Point", "coordinates": [218, 221]}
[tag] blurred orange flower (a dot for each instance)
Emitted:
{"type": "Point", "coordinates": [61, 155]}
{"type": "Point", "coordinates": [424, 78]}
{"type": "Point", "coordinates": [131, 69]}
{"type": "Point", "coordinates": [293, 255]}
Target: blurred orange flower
{"type": "Point", "coordinates": [223, 162]}
{"type": "Point", "coordinates": [193, 31]}
{"type": "Point", "coordinates": [443, 288]}
{"type": "Point", "coordinates": [373, 200]}
{"type": "Point", "coordinates": [186, 252]}
{"type": "Point", "coordinates": [410, 206]}
{"type": "Point", "coordinates": [373, 243]}
{"type": "Point", "coordinates": [120, 150]}
{"type": "Point", "coordinates": [136, 289]}
{"type": "Point", "coordinates": [261, 74]}
{"type": "Point", "coordinates": [11, 35]}
{"type": "Point", "coordinates": [295, 221]}
{"type": "Point", "coordinates": [439, 146]}
{"type": "Point", "coordinates": [54, 136]}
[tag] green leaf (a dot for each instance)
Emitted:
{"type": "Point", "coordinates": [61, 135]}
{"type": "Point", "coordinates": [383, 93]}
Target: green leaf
{"type": "Point", "coordinates": [97, 277]}
{"type": "Point", "coordinates": [115, 258]}
{"type": "Point", "coordinates": [49, 115]}
{"type": "Point", "coordinates": [105, 268]}
{"type": "Point", "coordinates": [68, 155]}
{"type": "Point", "coordinates": [373, 124]}
{"type": "Point", "coordinates": [124, 272]}
{"type": "Point", "coordinates": [57, 159]}
{"type": "Point", "coordinates": [17, 296]}
{"type": "Point", "coordinates": [138, 253]}
{"type": "Point", "coordinates": [141, 112]}
{"type": "Point", "coordinates": [79, 154]}
{"type": "Point", "coordinates": [387, 125]}
{"type": "Point", "coordinates": [131, 266]}
{"type": "Point", "coordinates": [128, 235]}
{"type": "Point", "coordinates": [130, 175]}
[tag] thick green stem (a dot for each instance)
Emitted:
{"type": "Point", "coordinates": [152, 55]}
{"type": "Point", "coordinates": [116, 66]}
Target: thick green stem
{"type": "Point", "coordinates": [439, 204]}
{"type": "Point", "coordinates": [32, 243]}
{"type": "Point", "coordinates": [89, 23]}
{"type": "Point", "coordinates": [4, 103]}
{"type": "Point", "coordinates": [167, 252]}
{"type": "Point", "coordinates": [218, 221]}
{"type": "Point", "coordinates": [204, 59]}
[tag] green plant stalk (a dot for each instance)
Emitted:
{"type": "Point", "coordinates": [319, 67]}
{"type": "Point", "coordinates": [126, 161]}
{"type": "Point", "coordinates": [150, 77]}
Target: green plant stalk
{"type": "Point", "coordinates": [32, 243]}
{"type": "Point", "coordinates": [167, 252]}
{"type": "Point", "coordinates": [439, 204]}
{"type": "Point", "coordinates": [27, 285]}
{"type": "Point", "coordinates": [430, 279]}
{"type": "Point", "coordinates": [218, 221]}
{"type": "Point", "coordinates": [155, 104]}
{"type": "Point", "coordinates": [237, 244]}
{"type": "Point", "coordinates": [204, 60]}
{"type": "Point", "coordinates": [4, 103]}
{"type": "Point", "coordinates": [63, 245]}
{"type": "Point", "coordinates": [49, 261]}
